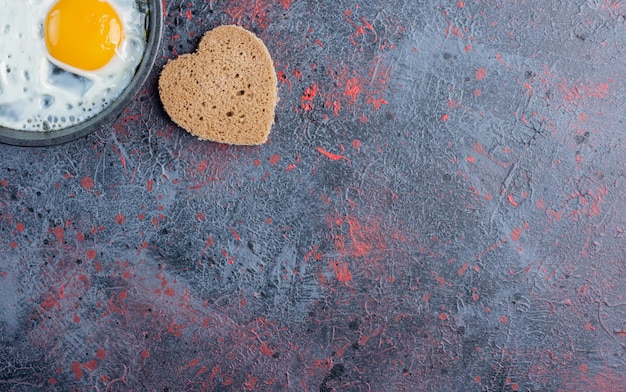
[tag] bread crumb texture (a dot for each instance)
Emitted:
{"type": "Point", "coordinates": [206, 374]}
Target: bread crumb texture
{"type": "Point", "coordinates": [226, 91]}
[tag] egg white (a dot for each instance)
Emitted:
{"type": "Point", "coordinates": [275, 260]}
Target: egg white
{"type": "Point", "coordinates": [39, 93]}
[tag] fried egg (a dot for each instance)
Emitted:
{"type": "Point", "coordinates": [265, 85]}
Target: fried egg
{"type": "Point", "coordinates": [64, 61]}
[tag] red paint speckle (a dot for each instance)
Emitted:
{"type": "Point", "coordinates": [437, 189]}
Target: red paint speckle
{"type": "Point", "coordinates": [76, 319]}
{"type": "Point", "coordinates": [576, 93]}
{"type": "Point", "coordinates": [477, 92]}
{"type": "Point", "coordinates": [477, 379]}
{"type": "Point", "coordinates": [13, 245]}
{"type": "Point", "coordinates": [540, 204]}
{"type": "Point", "coordinates": [170, 292]}
{"type": "Point", "coordinates": [91, 365]}
{"type": "Point", "coordinates": [554, 215]}
{"type": "Point", "coordinates": [307, 98]}
{"type": "Point", "coordinates": [19, 227]}
{"type": "Point", "coordinates": [209, 241]}
{"type": "Point", "coordinates": [145, 354]}
{"type": "Point", "coordinates": [49, 303]}
{"type": "Point", "coordinates": [235, 234]}
{"type": "Point", "coordinates": [444, 118]}
{"type": "Point", "coordinates": [335, 105]}
{"type": "Point", "coordinates": [254, 10]}
{"type": "Point", "coordinates": [481, 73]}
{"type": "Point", "coordinates": [101, 354]}
{"type": "Point", "coordinates": [342, 273]}
{"type": "Point", "coordinates": [463, 268]}
{"type": "Point", "coordinates": [479, 148]}
{"type": "Point", "coordinates": [150, 185]}
{"type": "Point", "coordinates": [78, 372]}
{"type": "Point", "coordinates": [376, 102]}
{"type": "Point", "coordinates": [511, 200]}
{"type": "Point", "coordinates": [499, 58]}
{"type": "Point", "coordinates": [200, 216]}
{"type": "Point", "coordinates": [251, 383]}
{"type": "Point", "coordinates": [516, 234]}
{"type": "Point", "coordinates": [120, 219]}
{"type": "Point", "coordinates": [203, 166]}
{"type": "Point", "coordinates": [353, 89]}
{"type": "Point", "coordinates": [286, 3]}
{"type": "Point", "coordinates": [265, 350]}
{"type": "Point", "coordinates": [59, 233]}
{"type": "Point", "coordinates": [52, 381]}
{"type": "Point", "coordinates": [331, 156]}
{"type": "Point", "coordinates": [274, 159]}
{"type": "Point", "coordinates": [87, 183]}
{"type": "Point", "coordinates": [283, 78]}
{"type": "Point", "coordinates": [4, 183]}
{"type": "Point", "coordinates": [504, 319]}
{"type": "Point", "coordinates": [356, 143]}
{"type": "Point", "coordinates": [91, 254]}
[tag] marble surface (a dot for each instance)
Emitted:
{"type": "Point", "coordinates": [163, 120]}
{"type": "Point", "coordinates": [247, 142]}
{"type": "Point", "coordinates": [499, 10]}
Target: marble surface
{"type": "Point", "coordinates": [440, 207]}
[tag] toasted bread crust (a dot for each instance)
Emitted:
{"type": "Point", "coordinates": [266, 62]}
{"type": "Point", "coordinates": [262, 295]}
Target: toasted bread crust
{"type": "Point", "coordinates": [225, 92]}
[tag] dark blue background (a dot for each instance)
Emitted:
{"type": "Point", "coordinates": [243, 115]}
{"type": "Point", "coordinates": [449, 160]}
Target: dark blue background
{"type": "Point", "coordinates": [440, 207]}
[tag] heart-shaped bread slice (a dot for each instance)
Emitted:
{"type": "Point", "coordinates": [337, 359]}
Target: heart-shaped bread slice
{"type": "Point", "coordinates": [225, 92]}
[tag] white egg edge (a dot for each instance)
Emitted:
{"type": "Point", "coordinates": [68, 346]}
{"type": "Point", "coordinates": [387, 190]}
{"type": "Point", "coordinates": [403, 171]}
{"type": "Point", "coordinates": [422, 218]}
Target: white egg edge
{"type": "Point", "coordinates": [115, 71]}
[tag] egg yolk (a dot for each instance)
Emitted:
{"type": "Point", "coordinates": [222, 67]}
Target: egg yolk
{"type": "Point", "coordinates": [83, 33]}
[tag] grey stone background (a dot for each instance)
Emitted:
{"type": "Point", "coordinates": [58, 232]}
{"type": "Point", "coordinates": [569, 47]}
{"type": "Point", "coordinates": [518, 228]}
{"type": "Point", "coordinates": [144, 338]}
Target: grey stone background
{"type": "Point", "coordinates": [440, 207]}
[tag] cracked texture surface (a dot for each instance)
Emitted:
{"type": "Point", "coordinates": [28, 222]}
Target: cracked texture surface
{"type": "Point", "coordinates": [440, 207]}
